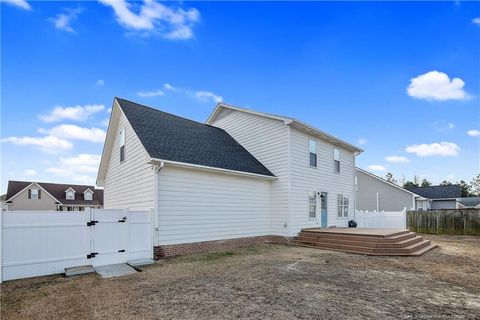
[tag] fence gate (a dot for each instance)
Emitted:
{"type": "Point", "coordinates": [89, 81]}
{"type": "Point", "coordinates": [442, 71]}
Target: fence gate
{"type": "Point", "coordinates": [108, 237]}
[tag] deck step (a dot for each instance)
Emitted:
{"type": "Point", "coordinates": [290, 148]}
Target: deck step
{"type": "Point", "coordinates": [386, 242]}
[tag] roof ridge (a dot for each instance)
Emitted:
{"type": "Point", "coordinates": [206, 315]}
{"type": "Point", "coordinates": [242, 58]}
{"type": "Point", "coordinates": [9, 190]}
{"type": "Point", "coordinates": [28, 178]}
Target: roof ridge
{"type": "Point", "coordinates": [171, 114]}
{"type": "Point", "coordinates": [56, 183]}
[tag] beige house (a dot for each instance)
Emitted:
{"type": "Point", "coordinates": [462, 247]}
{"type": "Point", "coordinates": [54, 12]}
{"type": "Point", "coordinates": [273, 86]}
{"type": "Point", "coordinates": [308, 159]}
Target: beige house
{"type": "Point", "coordinates": [42, 196]}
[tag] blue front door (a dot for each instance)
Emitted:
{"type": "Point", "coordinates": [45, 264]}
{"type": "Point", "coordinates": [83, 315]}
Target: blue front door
{"type": "Point", "coordinates": [323, 208]}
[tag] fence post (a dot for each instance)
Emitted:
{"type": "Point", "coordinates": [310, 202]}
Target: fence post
{"type": "Point", "coordinates": [1, 247]}
{"type": "Point", "coordinates": [152, 231]}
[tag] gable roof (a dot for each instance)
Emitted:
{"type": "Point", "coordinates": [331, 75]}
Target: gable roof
{"type": "Point", "coordinates": [171, 138]}
{"type": "Point", "coordinates": [57, 191]}
{"type": "Point", "coordinates": [438, 192]}
{"type": "Point", "coordinates": [288, 121]}
{"type": "Point", "coordinates": [385, 181]}
{"type": "Point", "coordinates": [469, 201]}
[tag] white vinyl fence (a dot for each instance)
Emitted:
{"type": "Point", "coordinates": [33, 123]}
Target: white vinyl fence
{"type": "Point", "coordinates": [36, 243]}
{"type": "Point", "coordinates": [381, 219]}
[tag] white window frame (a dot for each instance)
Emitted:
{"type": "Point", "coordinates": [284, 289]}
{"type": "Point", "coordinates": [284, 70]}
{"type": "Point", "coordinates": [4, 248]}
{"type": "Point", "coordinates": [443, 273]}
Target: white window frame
{"type": "Point", "coordinates": [70, 195]}
{"type": "Point", "coordinates": [312, 205]}
{"type": "Point", "coordinates": [122, 145]}
{"type": "Point", "coordinates": [89, 194]}
{"type": "Point", "coordinates": [343, 203]}
{"type": "Point", "coordinates": [336, 158]}
{"type": "Point", "coordinates": [310, 140]}
{"type": "Point", "coordinates": [34, 194]}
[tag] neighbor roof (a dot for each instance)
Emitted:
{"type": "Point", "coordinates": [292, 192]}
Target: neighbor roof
{"type": "Point", "coordinates": [438, 192]}
{"type": "Point", "coordinates": [289, 121]}
{"type": "Point", "coordinates": [469, 201]}
{"type": "Point", "coordinates": [172, 138]}
{"type": "Point", "coordinates": [57, 190]}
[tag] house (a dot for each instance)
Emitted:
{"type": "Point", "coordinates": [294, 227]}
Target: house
{"type": "Point", "coordinates": [377, 194]}
{"type": "Point", "coordinates": [440, 197]}
{"type": "Point", "coordinates": [31, 195]}
{"type": "Point", "coordinates": [242, 177]}
{"type": "Point", "coordinates": [468, 202]}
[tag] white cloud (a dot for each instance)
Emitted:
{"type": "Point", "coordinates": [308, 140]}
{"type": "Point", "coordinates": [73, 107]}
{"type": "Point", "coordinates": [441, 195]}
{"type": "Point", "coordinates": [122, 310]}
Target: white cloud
{"type": "Point", "coordinates": [397, 159]}
{"type": "Point", "coordinates": [438, 86]}
{"type": "Point", "coordinates": [168, 86]}
{"type": "Point", "coordinates": [100, 83]}
{"type": "Point", "coordinates": [49, 144]}
{"type": "Point", "coordinates": [450, 177]}
{"type": "Point", "coordinates": [149, 94]}
{"type": "Point", "coordinates": [76, 113]}
{"type": "Point", "coordinates": [362, 141]}
{"type": "Point", "coordinates": [29, 172]}
{"type": "Point", "coordinates": [80, 168]}
{"type": "Point", "coordinates": [207, 96]}
{"type": "Point", "coordinates": [476, 20]}
{"type": "Point", "coordinates": [473, 133]}
{"type": "Point", "coordinates": [63, 20]}
{"type": "Point", "coordinates": [73, 132]}
{"type": "Point", "coordinates": [152, 17]}
{"type": "Point", "coordinates": [19, 3]}
{"type": "Point", "coordinates": [376, 167]}
{"type": "Point", "coordinates": [434, 149]}
{"type": "Point", "coordinates": [105, 122]}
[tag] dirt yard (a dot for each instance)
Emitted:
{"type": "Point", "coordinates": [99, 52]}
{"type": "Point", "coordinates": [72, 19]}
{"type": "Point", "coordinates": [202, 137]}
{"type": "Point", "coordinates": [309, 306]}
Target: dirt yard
{"type": "Point", "coordinates": [267, 282]}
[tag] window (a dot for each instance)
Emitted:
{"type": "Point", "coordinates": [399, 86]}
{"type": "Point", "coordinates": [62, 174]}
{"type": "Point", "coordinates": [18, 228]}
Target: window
{"type": "Point", "coordinates": [122, 145]}
{"type": "Point", "coordinates": [336, 160]}
{"type": "Point", "coordinates": [312, 148]}
{"type": "Point", "coordinates": [342, 206]}
{"type": "Point", "coordinates": [88, 196]}
{"type": "Point", "coordinates": [70, 195]}
{"type": "Point", "coordinates": [312, 205]}
{"type": "Point", "coordinates": [34, 194]}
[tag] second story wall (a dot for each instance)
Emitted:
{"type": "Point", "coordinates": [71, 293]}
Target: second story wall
{"type": "Point", "coordinates": [22, 202]}
{"type": "Point", "coordinates": [128, 184]}
{"type": "Point", "coordinates": [267, 140]}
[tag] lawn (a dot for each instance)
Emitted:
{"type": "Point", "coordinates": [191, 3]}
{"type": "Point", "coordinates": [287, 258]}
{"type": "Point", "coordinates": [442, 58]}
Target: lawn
{"type": "Point", "coordinates": [267, 282]}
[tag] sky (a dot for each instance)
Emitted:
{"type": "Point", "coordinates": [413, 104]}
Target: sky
{"type": "Point", "coordinates": [400, 80]}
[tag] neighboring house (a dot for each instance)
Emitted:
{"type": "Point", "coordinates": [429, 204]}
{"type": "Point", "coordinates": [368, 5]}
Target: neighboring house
{"type": "Point", "coordinates": [377, 194]}
{"type": "Point", "coordinates": [27, 196]}
{"type": "Point", "coordinates": [468, 202]}
{"type": "Point", "coordinates": [440, 197]}
{"type": "Point", "coordinates": [244, 175]}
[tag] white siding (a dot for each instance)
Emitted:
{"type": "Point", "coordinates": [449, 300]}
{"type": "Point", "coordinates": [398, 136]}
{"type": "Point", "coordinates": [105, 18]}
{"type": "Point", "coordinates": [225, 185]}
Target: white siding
{"type": "Point", "coordinates": [321, 179]}
{"type": "Point", "coordinates": [128, 184]}
{"type": "Point", "coordinates": [267, 140]}
{"type": "Point", "coordinates": [195, 205]}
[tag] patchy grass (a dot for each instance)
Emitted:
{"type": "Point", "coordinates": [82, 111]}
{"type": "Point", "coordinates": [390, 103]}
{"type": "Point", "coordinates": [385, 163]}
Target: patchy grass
{"type": "Point", "coordinates": [267, 281]}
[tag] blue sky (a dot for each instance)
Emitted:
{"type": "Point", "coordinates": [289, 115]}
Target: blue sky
{"type": "Point", "coordinates": [400, 80]}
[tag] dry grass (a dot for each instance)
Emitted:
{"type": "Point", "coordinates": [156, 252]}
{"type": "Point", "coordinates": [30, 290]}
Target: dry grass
{"type": "Point", "coordinates": [267, 282]}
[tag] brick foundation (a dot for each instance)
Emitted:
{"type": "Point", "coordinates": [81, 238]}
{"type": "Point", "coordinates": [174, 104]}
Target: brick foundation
{"type": "Point", "coordinates": [205, 246]}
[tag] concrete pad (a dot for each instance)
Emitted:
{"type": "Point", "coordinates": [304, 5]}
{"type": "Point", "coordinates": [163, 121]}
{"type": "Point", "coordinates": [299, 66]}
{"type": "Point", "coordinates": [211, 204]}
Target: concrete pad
{"type": "Point", "coordinates": [115, 270]}
{"type": "Point", "coordinates": [75, 271]}
{"type": "Point", "coordinates": [140, 262]}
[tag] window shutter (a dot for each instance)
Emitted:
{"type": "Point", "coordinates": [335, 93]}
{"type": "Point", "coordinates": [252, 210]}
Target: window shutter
{"type": "Point", "coordinates": [29, 194]}
{"type": "Point", "coordinates": [39, 194]}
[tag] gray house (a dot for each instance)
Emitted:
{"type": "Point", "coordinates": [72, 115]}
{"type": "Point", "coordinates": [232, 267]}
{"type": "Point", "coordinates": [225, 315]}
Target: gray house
{"type": "Point", "coordinates": [440, 197]}
{"type": "Point", "coordinates": [374, 193]}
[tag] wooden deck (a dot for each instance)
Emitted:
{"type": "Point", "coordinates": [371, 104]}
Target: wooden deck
{"type": "Point", "coordinates": [377, 242]}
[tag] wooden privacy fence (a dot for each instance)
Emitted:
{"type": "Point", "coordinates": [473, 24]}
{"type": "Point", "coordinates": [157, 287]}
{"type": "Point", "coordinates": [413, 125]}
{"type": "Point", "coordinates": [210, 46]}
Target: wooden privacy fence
{"type": "Point", "coordinates": [449, 221]}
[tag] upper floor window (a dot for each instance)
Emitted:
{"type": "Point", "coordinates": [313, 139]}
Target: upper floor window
{"type": "Point", "coordinates": [88, 195]}
{"type": "Point", "coordinates": [70, 195]}
{"type": "Point", "coordinates": [34, 194]}
{"type": "Point", "coordinates": [312, 205]}
{"type": "Point", "coordinates": [122, 145]}
{"type": "Point", "coordinates": [342, 206]}
{"type": "Point", "coordinates": [336, 160]}
{"type": "Point", "coordinates": [312, 148]}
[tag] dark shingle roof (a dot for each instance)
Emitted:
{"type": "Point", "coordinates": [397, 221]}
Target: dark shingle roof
{"type": "Point", "coordinates": [438, 192]}
{"type": "Point", "coordinates": [169, 137]}
{"type": "Point", "coordinates": [470, 201]}
{"type": "Point", "coordinates": [57, 190]}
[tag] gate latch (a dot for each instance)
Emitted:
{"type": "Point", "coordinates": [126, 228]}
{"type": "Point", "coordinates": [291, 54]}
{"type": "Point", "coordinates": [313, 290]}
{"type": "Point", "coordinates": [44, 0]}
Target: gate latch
{"type": "Point", "coordinates": [92, 255]}
{"type": "Point", "coordinates": [91, 223]}
{"type": "Point", "coordinates": [123, 219]}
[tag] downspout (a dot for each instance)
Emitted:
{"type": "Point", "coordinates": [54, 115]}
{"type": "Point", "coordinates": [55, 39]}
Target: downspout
{"type": "Point", "coordinates": [156, 169]}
